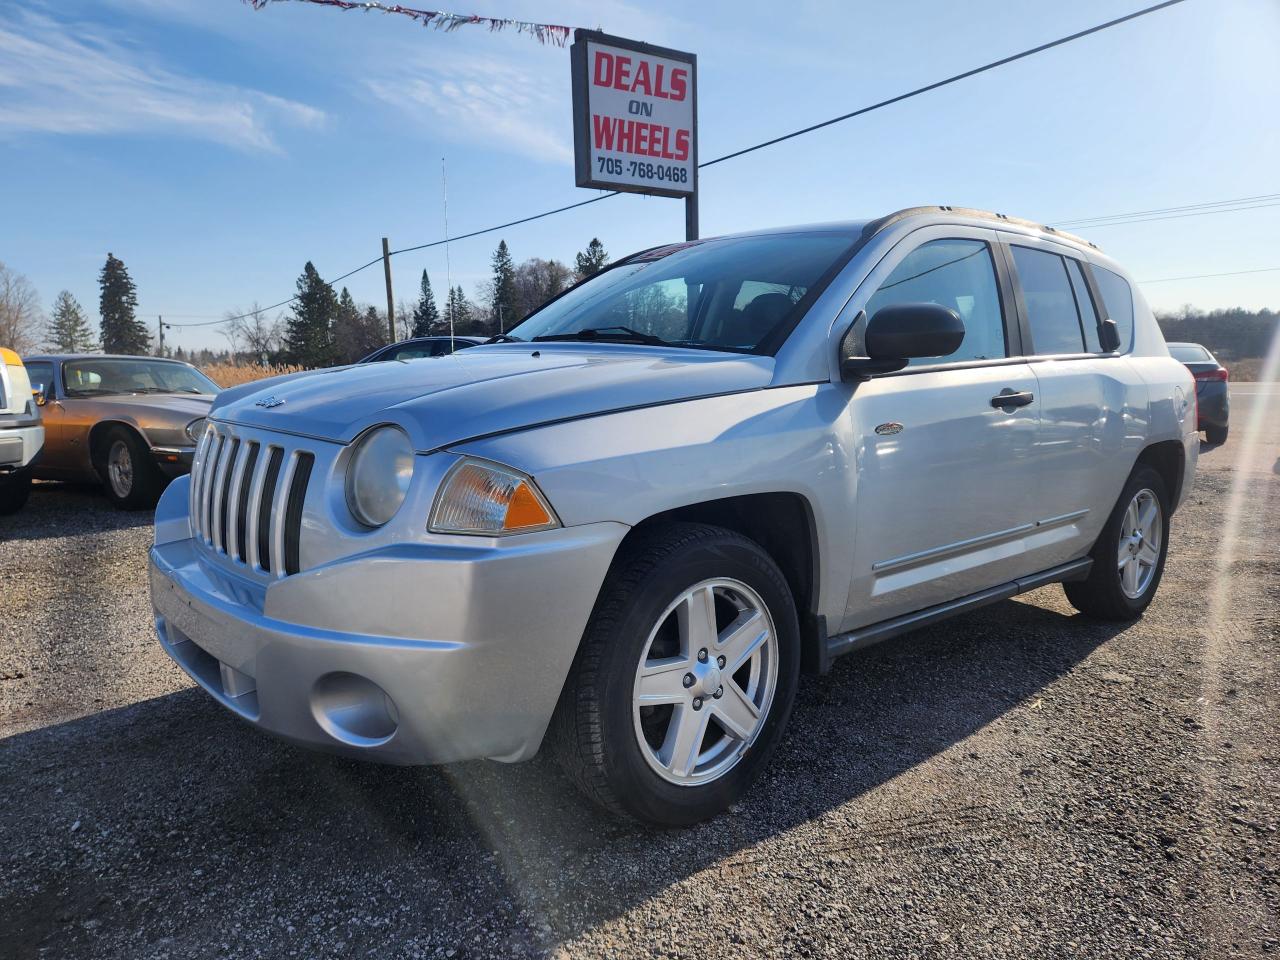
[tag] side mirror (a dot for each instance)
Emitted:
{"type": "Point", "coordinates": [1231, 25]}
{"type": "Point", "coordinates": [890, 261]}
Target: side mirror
{"type": "Point", "coordinates": [900, 333]}
{"type": "Point", "coordinates": [37, 391]}
{"type": "Point", "coordinates": [1109, 335]}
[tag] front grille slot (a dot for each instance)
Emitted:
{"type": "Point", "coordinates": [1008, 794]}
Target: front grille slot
{"type": "Point", "coordinates": [247, 499]}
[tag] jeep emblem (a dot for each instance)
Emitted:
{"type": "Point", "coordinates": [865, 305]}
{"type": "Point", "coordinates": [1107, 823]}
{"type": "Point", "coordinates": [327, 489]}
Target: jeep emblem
{"type": "Point", "coordinates": [272, 401]}
{"type": "Point", "coordinates": [888, 429]}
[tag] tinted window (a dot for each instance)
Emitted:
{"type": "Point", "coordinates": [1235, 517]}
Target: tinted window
{"type": "Point", "coordinates": [958, 274]}
{"type": "Point", "coordinates": [1118, 299]}
{"type": "Point", "coordinates": [113, 375]}
{"type": "Point", "coordinates": [734, 293]}
{"type": "Point", "coordinates": [1051, 306]}
{"type": "Point", "coordinates": [40, 373]}
{"type": "Point", "coordinates": [1189, 353]}
{"type": "Point", "coordinates": [1088, 316]}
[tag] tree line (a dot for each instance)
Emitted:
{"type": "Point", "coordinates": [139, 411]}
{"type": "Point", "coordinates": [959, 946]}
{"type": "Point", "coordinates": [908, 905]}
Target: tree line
{"type": "Point", "coordinates": [1230, 334]}
{"type": "Point", "coordinates": [322, 328]}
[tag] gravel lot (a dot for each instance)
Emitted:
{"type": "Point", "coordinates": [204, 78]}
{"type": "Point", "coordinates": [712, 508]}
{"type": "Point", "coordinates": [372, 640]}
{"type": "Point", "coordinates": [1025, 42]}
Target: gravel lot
{"type": "Point", "coordinates": [1019, 782]}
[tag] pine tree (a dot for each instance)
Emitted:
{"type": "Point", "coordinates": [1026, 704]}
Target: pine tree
{"type": "Point", "coordinates": [308, 339]}
{"type": "Point", "coordinates": [504, 305]}
{"type": "Point", "coordinates": [69, 330]}
{"type": "Point", "coordinates": [593, 259]}
{"type": "Point", "coordinates": [459, 310]}
{"type": "Point", "coordinates": [426, 316]}
{"type": "Point", "coordinates": [122, 331]}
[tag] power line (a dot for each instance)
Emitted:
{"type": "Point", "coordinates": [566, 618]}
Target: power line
{"type": "Point", "coordinates": [1206, 276]}
{"type": "Point", "coordinates": [1142, 213]}
{"type": "Point", "coordinates": [861, 111]}
{"type": "Point", "coordinates": [1176, 216]}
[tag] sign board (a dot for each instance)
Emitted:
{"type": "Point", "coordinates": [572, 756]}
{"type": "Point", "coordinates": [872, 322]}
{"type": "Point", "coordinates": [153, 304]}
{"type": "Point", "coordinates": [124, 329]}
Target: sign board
{"type": "Point", "coordinates": [635, 116]}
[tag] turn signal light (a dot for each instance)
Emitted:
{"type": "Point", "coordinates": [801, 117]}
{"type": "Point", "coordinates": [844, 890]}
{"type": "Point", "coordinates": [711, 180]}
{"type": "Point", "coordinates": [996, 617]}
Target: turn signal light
{"type": "Point", "coordinates": [482, 498]}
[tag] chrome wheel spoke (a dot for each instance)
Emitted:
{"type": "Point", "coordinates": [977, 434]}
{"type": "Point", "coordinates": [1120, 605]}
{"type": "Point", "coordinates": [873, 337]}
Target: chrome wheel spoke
{"type": "Point", "coordinates": [737, 714]}
{"type": "Point", "coordinates": [1147, 518]}
{"type": "Point", "coordinates": [1149, 554]}
{"type": "Point", "coordinates": [662, 681]}
{"type": "Point", "coordinates": [680, 751]}
{"type": "Point", "coordinates": [1129, 575]}
{"type": "Point", "coordinates": [741, 639]}
{"type": "Point", "coordinates": [697, 619]}
{"type": "Point", "coordinates": [1124, 552]}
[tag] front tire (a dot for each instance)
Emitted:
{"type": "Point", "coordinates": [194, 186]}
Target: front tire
{"type": "Point", "coordinates": [685, 678]}
{"type": "Point", "coordinates": [132, 479]}
{"type": "Point", "coordinates": [14, 489]}
{"type": "Point", "coordinates": [1129, 555]}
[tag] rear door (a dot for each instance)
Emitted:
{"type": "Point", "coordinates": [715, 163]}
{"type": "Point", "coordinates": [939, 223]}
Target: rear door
{"type": "Point", "coordinates": [945, 477]}
{"type": "Point", "coordinates": [1092, 403]}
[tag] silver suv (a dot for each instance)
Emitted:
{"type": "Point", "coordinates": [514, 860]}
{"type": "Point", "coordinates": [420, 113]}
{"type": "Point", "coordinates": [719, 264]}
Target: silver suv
{"type": "Point", "coordinates": [629, 526]}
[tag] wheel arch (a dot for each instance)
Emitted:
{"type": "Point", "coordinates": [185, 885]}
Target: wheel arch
{"type": "Point", "coordinates": [783, 524]}
{"type": "Point", "coordinates": [1168, 459]}
{"type": "Point", "coordinates": [99, 432]}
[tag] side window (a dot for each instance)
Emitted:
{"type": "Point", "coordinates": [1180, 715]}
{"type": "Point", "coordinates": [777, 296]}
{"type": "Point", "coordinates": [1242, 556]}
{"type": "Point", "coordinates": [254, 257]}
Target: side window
{"type": "Point", "coordinates": [1051, 306]}
{"type": "Point", "coordinates": [1088, 316]}
{"type": "Point", "coordinates": [41, 376]}
{"type": "Point", "coordinates": [959, 274]}
{"type": "Point", "coordinates": [1118, 301]}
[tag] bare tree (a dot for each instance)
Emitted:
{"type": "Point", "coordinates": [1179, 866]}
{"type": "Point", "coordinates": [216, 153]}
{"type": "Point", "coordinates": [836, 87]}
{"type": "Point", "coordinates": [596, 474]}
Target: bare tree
{"type": "Point", "coordinates": [253, 333]}
{"type": "Point", "coordinates": [21, 319]}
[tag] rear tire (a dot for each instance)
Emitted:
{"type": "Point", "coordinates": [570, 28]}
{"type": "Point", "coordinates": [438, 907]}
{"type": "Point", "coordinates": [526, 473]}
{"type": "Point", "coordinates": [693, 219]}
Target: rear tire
{"type": "Point", "coordinates": [129, 473]}
{"type": "Point", "coordinates": [1127, 566]}
{"type": "Point", "coordinates": [643, 725]}
{"type": "Point", "coordinates": [1216, 434]}
{"type": "Point", "coordinates": [14, 489]}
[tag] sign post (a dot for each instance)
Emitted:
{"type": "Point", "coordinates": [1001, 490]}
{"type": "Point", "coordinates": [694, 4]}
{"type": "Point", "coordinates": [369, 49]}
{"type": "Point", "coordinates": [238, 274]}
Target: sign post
{"type": "Point", "coordinates": [635, 119]}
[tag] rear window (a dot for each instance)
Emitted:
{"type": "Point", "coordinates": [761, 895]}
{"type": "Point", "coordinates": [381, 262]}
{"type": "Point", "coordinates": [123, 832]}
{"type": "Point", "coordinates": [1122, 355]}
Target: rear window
{"type": "Point", "coordinates": [1050, 302]}
{"type": "Point", "coordinates": [1118, 300]}
{"type": "Point", "coordinates": [1189, 352]}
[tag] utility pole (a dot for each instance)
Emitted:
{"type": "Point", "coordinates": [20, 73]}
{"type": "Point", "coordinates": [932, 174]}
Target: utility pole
{"type": "Point", "coordinates": [391, 304]}
{"type": "Point", "coordinates": [160, 326]}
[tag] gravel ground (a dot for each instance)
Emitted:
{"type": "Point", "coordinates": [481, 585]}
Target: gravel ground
{"type": "Point", "coordinates": [1018, 782]}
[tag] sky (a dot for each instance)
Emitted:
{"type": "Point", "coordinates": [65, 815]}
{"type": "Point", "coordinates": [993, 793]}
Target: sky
{"type": "Point", "coordinates": [216, 149]}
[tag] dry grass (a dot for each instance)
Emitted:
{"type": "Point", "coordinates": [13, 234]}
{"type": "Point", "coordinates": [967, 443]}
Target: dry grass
{"type": "Point", "coordinates": [231, 375]}
{"type": "Point", "coordinates": [1246, 370]}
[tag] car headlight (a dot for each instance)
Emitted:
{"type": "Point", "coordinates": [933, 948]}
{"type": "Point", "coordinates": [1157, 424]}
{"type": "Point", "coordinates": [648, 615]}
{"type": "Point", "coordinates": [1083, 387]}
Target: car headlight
{"type": "Point", "coordinates": [195, 428]}
{"type": "Point", "coordinates": [488, 499]}
{"type": "Point", "coordinates": [378, 475]}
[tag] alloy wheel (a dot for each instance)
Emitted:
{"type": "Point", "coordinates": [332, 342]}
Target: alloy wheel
{"type": "Point", "coordinates": [1141, 531]}
{"type": "Point", "coordinates": [120, 469]}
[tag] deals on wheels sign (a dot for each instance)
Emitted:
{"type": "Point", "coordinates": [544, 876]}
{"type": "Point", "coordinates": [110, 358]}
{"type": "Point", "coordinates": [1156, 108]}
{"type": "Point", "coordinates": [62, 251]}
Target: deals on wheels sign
{"type": "Point", "coordinates": [635, 116]}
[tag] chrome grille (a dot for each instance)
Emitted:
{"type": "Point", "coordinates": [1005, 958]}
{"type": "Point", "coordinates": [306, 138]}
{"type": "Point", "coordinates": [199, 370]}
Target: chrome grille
{"type": "Point", "coordinates": [247, 493]}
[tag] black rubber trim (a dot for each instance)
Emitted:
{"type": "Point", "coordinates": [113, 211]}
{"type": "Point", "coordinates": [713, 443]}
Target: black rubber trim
{"type": "Point", "coordinates": [264, 507]}
{"type": "Point", "coordinates": [293, 511]}
{"type": "Point", "coordinates": [224, 504]}
{"type": "Point", "coordinates": [242, 500]}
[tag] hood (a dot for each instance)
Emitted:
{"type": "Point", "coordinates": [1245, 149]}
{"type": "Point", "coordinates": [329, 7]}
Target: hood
{"type": "Point", "coordinates": [183, 407]}
{"type": "Point", "coordinates": [491, 389]}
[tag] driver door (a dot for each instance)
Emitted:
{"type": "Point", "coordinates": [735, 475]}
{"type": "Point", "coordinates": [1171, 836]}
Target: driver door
{"type": "Point", "coordinates": [946, 476]}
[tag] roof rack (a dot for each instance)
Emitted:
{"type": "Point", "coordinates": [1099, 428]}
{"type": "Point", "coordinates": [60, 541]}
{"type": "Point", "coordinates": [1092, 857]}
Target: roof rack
{"type": "Point", "coordinates": [875, 226]}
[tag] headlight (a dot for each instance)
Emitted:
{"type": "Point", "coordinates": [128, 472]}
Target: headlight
{"type": "Point", "coordinates": [195, 428]}
{"type": "Point", "coordinates": [488, 499]}
{"type": "Point", "coordinates": [378, 475]}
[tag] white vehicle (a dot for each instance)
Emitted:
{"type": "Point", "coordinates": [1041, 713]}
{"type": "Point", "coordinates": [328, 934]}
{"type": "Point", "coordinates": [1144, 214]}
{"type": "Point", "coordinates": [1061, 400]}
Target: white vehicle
{"type": "Point", "coordinates": [21, 432]}
{"type": "Point", "coordinates": [628, 527]}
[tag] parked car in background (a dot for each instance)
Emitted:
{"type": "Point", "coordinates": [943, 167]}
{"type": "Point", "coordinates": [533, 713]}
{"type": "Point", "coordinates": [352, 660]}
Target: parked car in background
{"type": "Point", "coordinates": [628, 526]}
{"type": "Point", "coordinates": [1213, 400]}
{"type": "Point", "coordinates": [420, 347]}
{"type": "Point", "coordinates": [129, 422]}
{"type": "Point", "coordinates": [21, 432]}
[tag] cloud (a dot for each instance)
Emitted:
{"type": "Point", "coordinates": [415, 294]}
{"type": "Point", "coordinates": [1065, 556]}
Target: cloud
{"type": "Point", "coordinates": [55, 81]}
{"type": "Point", "coordinates": [484, 101]}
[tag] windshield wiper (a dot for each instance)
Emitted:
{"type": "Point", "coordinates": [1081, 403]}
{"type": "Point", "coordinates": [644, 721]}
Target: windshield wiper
{"type": "Point", "coordinates": [619, 334]}
{"type": "Point", "coordinates": [505, 338]}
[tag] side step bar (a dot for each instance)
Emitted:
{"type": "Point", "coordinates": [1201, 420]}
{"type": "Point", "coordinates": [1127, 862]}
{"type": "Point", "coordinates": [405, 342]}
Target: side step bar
{"type": "Point", "coordinates": [886, 629]}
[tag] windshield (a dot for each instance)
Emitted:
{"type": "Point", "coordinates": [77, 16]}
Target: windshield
{"type": "Point", "coordinates": [97, 376]}
{"type": "Point", "coordinates": [739, 293]}
{"type": "Point", "coordinates": [1189, 352]}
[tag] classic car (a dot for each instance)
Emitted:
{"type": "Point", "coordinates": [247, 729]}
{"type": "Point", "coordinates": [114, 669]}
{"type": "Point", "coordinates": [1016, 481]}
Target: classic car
{"type": "Point", "coordinates": [129, 422]}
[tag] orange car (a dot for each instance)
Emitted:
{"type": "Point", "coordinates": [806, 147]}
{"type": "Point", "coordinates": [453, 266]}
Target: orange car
{"type": "Point", "coordinates": [130, 422]}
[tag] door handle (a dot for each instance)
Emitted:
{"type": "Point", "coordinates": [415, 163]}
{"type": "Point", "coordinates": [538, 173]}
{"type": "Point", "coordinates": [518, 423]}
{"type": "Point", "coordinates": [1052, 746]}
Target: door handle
{"type": "Point", "coordinates": [1007, 398]}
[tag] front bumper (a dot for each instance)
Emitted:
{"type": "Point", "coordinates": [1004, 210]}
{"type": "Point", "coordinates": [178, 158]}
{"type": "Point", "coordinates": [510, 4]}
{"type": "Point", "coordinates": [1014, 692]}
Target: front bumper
{"type": "Point", "coordinates": [174, 461]}
{"type": "Point", "coordinates": [19, 445]}
{"type": "Point", "coordinates": [410, 654]}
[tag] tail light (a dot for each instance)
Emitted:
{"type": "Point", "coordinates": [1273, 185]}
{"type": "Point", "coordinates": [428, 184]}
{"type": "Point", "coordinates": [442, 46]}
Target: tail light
{"type": "Point", "coordinates": [1219, 374]}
